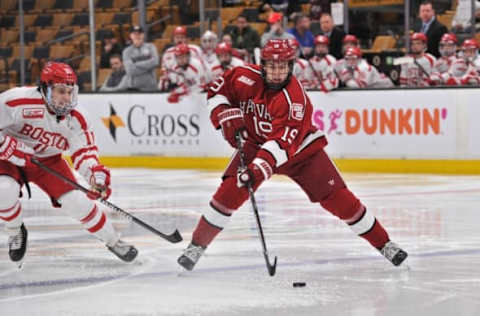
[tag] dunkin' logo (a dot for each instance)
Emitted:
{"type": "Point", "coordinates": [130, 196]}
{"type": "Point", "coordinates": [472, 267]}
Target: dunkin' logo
{"type": "Point", "coordinates": [381, 121]}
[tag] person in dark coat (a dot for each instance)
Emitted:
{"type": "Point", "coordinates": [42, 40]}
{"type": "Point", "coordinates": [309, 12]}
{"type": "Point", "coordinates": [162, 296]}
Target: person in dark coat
{"type": "Point", "coordinates": [429, 26]}
{"type": "Point", "coordinates": [335, 35]}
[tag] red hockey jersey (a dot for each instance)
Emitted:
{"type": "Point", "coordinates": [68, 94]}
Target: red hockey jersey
{"type": "Point", "coordinates": [280, 121]}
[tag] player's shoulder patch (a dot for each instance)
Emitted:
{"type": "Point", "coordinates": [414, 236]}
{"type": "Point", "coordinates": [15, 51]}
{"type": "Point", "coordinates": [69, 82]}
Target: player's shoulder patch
{"type": "Point", "coordinates": [296, 99]}
{"type": "Point", "coordinates": [246, 80]}
{"type": "Point", "coordinates": [33, 113]}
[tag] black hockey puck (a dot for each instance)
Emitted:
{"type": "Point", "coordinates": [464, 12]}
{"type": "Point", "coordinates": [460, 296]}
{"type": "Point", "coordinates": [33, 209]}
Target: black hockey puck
{"type": "Point", "coordinates": [299, 284]}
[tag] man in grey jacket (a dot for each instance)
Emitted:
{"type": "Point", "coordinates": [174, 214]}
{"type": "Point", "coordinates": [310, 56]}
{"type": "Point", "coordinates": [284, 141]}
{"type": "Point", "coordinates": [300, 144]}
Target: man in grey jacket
{"type": "Point", "coordinates": [276, 29]}
{"type": "Point", "coordinates": [140, 60]}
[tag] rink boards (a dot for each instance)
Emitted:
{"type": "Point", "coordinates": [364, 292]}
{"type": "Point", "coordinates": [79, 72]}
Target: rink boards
{"type": "Point", "coordinates": [426, 130]}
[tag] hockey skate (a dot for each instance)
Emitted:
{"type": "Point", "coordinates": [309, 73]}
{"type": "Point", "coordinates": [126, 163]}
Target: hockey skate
{"type": "Point", "coordinates": [124, 251]}
{"type": "Point", "coordinates": [17, 244]}
{"type": "Point", "coordinates": [393, 253]}
{"type": "Point", "coordinates": [190, 256]}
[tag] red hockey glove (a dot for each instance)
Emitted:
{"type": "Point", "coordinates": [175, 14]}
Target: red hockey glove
{"type": "Point", "coordinates": [256, 173]}
{"type": "Point", "coordinates": [451, 82]}
{"type": "Point", "coordinates": [15, 151]}
{"type": "Point", "coordinates": [231, 121]}
{"type": "Point", "coordinates": [99, 182]}
{"type": "Point", "coordinates": [469, 80]}
{"type": "Point", "coordinates": [173, 97]}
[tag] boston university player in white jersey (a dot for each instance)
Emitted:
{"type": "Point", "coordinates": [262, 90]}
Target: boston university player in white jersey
{"type": "Point", "coordinates": [417, 72]}
{"type": "Point", "coordinates": [43, 122]}
{"type": "Point", "coordinates": [322, 64]}
{"type": "Point", "coordinates": [188, 76]}
{"type": "Point", "coordinates": [464, 71]}
{"type": "Point", "coordinates": [224, 54]}
{"type": "Point", "coordinates": [448, 50]}
{"type": "Point", "coordinates": [271, 106]}
{"type": "Point", "coordinates": [301, 70]}
{"type": "Point", "coordinates": [358, 73]}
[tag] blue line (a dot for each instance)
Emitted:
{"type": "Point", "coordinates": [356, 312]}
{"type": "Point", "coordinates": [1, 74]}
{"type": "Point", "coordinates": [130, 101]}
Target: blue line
{"type": "Point", "coordinates": [444, 253]}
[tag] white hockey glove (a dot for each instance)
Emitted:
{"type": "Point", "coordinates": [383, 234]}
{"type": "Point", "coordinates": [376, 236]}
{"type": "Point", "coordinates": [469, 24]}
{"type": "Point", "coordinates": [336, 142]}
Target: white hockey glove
{"type": "Point", "coordinates": [15, 151]}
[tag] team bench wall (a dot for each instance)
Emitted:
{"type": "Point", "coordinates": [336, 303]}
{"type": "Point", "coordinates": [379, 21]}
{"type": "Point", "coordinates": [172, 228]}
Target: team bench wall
{"type": "Point", "coordinates": [430, 130]}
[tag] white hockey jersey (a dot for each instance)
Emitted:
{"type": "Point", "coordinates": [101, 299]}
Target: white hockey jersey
{"type": "Point", "coordinates": [417, 74]}
{"type": "Point", "coordinates": [364, 75]}
{"type": "Point", "coordinates": [24, 115]}
{"type": "Point", "coordinates": [168, 58]}
{"type": "Point", "coordinates": [440, 69]}
{"type": "Point", "coordinates": [217, 70]}
{"type": "Point", "coordinates": [324, 77]}
{"type": "Point", "coordinates": [210, 60]}
{"type": "Point", "coordinates": [191, 79]}
{"type": "Point", "coordinates": [462, 73]}
{"type": "Point", "coordinates": [304, 73]}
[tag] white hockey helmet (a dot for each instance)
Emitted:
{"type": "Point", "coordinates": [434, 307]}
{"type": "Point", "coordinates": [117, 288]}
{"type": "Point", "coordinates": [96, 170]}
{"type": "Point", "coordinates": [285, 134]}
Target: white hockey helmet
{"type": "Point", "coordinates": [209, 40]}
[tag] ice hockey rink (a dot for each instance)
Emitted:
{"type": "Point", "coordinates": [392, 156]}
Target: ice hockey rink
{"type": "Point", "coordinates": [435, 218]}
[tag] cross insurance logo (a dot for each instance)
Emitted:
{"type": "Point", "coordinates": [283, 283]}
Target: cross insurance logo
{"type": "Point", "coordinates": [113, 122]}
{"type": "Point", "coordinates": [381, 121]}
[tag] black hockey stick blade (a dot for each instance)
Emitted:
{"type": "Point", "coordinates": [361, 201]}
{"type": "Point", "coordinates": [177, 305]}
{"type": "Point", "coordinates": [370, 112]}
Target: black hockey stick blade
{"type": "Point", "coordinates": [173, 238]}
{"type": "Point", "coordinates": [271, 268]}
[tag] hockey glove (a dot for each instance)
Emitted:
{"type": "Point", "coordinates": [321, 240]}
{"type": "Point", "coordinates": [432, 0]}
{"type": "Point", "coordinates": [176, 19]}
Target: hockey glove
{"type": "Point", "coordinates": [99, 182]}
{"type": "Point", "coordinates": [231, 121]}
{"type": "Point", "coordinates": [256, 173]}
{"type": "Point", "coordinates": [15, 151]}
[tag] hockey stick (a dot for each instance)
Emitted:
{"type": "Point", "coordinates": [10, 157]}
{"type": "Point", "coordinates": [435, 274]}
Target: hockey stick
{"type": "Point", "coordinates": [173, 238]}
{"type": "Point", "coordinates": [271, 268]}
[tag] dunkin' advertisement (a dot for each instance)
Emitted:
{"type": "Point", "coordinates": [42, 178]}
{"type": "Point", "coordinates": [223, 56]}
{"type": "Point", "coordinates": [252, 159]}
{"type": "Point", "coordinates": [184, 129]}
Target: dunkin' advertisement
{"type": "Point", "coordinates": [387, 123]}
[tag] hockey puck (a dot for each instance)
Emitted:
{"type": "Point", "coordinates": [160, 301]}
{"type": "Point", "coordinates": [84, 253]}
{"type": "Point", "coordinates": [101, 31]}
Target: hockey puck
{"type": "Point", "coordinates": [299, 284]}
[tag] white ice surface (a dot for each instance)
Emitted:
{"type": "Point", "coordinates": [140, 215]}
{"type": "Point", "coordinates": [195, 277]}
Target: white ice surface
{"type": "Point", "coordinates": [435, 218]}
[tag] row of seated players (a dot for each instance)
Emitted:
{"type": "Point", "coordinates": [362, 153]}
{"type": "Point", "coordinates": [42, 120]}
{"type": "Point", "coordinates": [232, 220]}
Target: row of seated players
{"type": "Point", "coordinates": [421, 69]}
{"type": "Point", "coordinates": [189, 68]}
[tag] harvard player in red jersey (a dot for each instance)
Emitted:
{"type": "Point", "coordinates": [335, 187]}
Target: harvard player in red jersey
{"type": "Point", "coordinates": [270, 108]}
{"type": "Point", "coordinates": [43, 122]}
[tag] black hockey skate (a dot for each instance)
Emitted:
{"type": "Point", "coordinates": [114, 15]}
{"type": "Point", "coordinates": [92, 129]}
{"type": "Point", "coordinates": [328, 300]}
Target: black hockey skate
{"type": "Point", "coordinates": [394, 253]}
{"type": "Point", "coordinates": [190, 256]}
{"type": "Point", "coordinates": [17, 244]}
{"type": "Point", "coordinates": [124, 251]}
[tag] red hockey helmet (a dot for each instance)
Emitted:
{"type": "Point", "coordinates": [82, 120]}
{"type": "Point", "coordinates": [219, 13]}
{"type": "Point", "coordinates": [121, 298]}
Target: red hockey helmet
{"type": "Point", "coordinates": [449, 38]}
{"type": "Point", "coordinates": [418, 37]}
{"type": "Point", "coordinates": [54, 72]}
{"type": "Point", "coordinates": [349, 38]}
{"type": "Point", "coordinates": [353, 52]}
{"type": "Point", "coordinates": [322, 39]}
{"type": "Point", "coordinates": [470, 43]}
{"type": "Point", "coordinates": [181, 49]}
{"type": "Point", "coordinates": [180, 30]}
{"type": "Point", "coordinates": [277, 63]}
{"type": "Point", "coordinates": [223, 48]}
{"type": "Point", "coordinates": [58, 85]}
{"type": "Point", "coordinates": [293, 43]}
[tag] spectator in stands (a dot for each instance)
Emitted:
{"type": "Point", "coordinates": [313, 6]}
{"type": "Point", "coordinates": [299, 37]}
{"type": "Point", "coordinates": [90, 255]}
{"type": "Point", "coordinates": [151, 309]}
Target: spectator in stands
{"type": "Point", "coordinates": [334, 34]}
{"type": "Point", "coordinates": [276, 29]}
{"type": "Point", "coordinates": [244, 38]}
{"type": "Point", "coordinates": [117, 80]}
{"type": "Point", "coordinates": [302, 33]}
{"type": "Point", "coordinates": [227, 38]}
{"type": "Point", "coordinates": [285, 7]}
{"type": "Point", "coordinates": [429, 26]}
{"type": "Point", "coordinates": [110, 47]}
{"type": "Point", "coordinates": [462, 23]}
{"type": "Point", "coordinates": [359, 74]}
{"type": "Point", "coordinates": [140, 61]}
